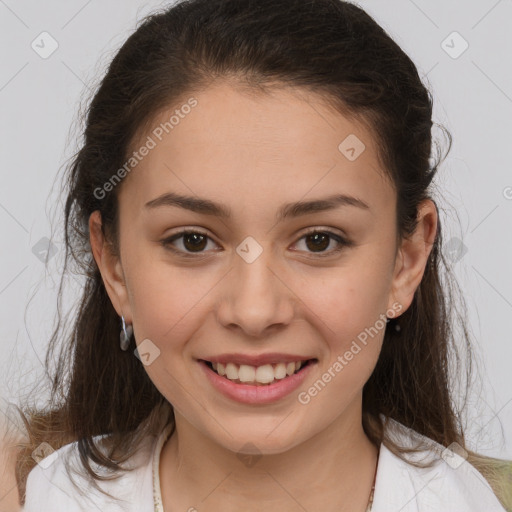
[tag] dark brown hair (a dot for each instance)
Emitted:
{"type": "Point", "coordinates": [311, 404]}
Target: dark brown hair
{"type": "Point", "coordinates": [329, 47]}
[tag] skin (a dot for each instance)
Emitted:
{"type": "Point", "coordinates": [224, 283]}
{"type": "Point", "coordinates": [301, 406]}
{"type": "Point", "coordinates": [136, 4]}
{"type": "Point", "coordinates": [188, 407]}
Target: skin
{"type": "Point", "coordinates": [253, 153]}
{"type": "Point", "coordinates": [9, 499]}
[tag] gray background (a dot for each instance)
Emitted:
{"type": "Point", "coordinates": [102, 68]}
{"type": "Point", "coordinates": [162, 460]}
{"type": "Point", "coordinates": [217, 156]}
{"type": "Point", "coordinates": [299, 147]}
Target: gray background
{"type": "Point", "coordinates": [39, 100]}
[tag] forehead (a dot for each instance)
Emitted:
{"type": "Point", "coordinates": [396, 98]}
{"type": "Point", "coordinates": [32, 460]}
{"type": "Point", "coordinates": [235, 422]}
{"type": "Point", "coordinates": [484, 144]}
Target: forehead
{"type": "Point", "coordinates": [242, 147]}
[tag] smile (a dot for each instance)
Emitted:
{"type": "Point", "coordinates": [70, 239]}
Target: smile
{"type": "Point", "coordinates": [257, 375]}
{"type": "Point", "coordinates": [263, 384]}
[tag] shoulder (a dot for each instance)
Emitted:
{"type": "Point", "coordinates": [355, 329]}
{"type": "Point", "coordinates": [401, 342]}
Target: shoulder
{"type": "Point", "coordinates": [58, 482]}
{"type": "Point", "coordinates": [450, 483]}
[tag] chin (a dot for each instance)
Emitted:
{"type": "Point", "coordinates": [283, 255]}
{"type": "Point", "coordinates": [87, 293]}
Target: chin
{"type": "Point", "coordinates": [254, 438]}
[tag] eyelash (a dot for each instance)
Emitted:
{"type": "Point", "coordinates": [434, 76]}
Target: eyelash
{"type": "Point", "coordinates": [342, 241]}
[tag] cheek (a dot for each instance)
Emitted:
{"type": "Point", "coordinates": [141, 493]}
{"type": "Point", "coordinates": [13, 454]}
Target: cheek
{"type": "Point", "coordinates": [166, 298]}
{"type": "Point", "coordinates": [346, 300]}
{"type": "Point", "coordinates": [351, 320]}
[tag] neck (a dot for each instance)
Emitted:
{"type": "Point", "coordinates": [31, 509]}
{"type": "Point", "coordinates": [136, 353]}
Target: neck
{"type": "Point", "coordinates": [332, 471]}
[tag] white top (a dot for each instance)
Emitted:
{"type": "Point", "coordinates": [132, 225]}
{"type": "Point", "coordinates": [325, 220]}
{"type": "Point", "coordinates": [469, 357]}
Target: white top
{"type": "Point", "coordinates": [450, 484]}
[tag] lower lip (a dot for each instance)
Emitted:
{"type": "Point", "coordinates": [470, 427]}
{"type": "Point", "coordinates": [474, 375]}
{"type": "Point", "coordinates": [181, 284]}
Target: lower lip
{"type": "Point", "coordinates": [250, 394]}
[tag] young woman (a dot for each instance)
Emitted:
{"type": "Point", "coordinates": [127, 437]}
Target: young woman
{"type": "Point", "coordinates": [264, 323]}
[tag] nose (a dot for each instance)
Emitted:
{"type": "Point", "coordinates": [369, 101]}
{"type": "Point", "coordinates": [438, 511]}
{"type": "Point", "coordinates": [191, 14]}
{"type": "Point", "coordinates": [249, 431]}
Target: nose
{"type": "Point", "coordinates": [256, 298]}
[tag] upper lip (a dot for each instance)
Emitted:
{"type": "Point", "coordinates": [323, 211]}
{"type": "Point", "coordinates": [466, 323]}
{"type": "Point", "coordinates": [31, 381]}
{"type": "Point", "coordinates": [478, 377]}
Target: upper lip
{"type": "Point", "coordinates": [257, 360]}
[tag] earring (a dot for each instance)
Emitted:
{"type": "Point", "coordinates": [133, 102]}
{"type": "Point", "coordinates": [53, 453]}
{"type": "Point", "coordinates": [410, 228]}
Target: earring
{"type": "Point", "coordinates": [396, 325]}
{"type": "Point", "coordinates": [125, 335]}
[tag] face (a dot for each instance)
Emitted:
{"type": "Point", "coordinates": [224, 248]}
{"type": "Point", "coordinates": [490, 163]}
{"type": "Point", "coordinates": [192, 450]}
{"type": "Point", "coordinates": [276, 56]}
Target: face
{"type": "Point", "coordinates": [258, 282]}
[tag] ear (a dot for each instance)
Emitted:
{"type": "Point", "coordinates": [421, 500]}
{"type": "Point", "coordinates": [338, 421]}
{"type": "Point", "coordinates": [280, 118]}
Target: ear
{"type": "Point", "coordinates": [413, 254]}
{"type": "Point", "coordinates": [110, 267]}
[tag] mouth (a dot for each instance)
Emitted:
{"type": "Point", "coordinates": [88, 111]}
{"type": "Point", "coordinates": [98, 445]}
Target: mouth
{"type": "Point", "coordinates": [263, 375]}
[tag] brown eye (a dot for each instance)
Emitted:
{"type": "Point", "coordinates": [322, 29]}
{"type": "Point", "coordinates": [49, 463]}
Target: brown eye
{"type": "Point", "coordinates": [192, 242]}
{"type": "Point", "coordinates": [195, 243]}
{"type": "Point", "coordinates": [318, 241]}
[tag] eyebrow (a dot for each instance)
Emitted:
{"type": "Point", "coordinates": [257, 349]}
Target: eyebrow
{"type": "Point", "coordinates": [289, 210]}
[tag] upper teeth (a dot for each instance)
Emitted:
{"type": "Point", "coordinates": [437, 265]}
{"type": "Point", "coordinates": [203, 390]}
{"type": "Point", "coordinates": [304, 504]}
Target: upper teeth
{"type": "Point", "coordinates": [262, 374]}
